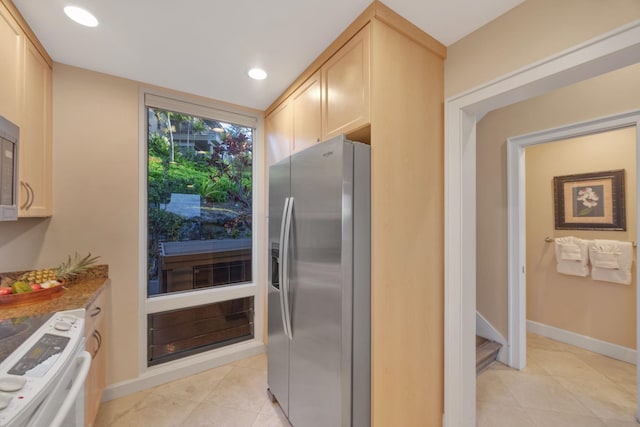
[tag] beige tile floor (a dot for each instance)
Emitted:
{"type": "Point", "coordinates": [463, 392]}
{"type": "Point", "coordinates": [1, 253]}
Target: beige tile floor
{"type": "Point", "coordinates": [562, 386]}
{"type": "Point", "coordinates": [233, 395]}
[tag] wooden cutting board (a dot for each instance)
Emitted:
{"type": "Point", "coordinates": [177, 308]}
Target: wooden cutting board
{"type": "Point", "coordinates": [14, 300]}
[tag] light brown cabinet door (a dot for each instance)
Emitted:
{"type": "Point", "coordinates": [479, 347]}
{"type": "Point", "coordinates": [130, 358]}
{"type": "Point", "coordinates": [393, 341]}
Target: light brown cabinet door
{"type": "Point", "coordinates": [11, 45]}
{"type": "Point", "coordinates": [35, 136]}
{"type": "Point", "coordinates": [346, 92]}
{"type": "Point", "coordinates": [95, 334]}
{"type": "Point", "coordinates": [279, 131]}
{"type": "Point", "coordinates": [307, 113]}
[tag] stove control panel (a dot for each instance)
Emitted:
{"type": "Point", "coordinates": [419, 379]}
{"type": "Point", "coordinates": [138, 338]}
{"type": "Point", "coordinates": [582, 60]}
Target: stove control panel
{"type": "Point", "coordinates": [32, 370]}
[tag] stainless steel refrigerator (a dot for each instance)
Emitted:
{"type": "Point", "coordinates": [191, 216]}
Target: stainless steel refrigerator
{"type": "Point", "coordinates": [319, 285]}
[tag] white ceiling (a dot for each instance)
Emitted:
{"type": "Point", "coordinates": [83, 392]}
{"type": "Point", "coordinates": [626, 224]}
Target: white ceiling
{"type": "Point", "coordinates": [206, 47]}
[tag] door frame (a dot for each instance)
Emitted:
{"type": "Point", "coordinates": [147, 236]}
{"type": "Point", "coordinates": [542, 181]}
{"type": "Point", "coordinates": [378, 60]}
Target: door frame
{"type": "Point", "coordinates": [516, 205]}
{"type": "Point", "coordinates": [610, 51]}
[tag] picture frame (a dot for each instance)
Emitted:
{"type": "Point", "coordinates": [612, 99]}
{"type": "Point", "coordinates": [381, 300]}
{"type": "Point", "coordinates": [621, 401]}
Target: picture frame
{"type": "Point", "coordinates": [590, 201]}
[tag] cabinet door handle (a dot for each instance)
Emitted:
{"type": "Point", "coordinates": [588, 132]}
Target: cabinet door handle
{"type": "Point", "coordinates": [96, 311]}
{"type": "Point", "coordinates": [32, 198]}
{"type": "Point", "coordinates": [26, 188]}
{"type": "Point", "coordinates": [98, 339]}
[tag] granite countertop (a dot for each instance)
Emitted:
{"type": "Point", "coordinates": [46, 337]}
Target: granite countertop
{"type": "Point", "coordinates": [79, 292]}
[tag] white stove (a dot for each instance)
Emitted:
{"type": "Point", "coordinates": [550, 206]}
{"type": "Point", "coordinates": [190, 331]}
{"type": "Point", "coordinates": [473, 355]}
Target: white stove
{"type": "Point", "coordinates": [41, 382]}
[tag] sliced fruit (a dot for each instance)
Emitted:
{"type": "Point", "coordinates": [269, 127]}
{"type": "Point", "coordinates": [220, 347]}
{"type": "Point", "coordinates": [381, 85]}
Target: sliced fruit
{"type": "Point", "coordinates": [20, 287]}
{"type": "Point", "coordinates": [50, 284]}
{"type": "Point", "coordinates": [5, 291]}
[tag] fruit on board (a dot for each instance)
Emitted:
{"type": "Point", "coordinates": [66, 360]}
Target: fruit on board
{"type": "Point", "coordinates": [50, 284]}
{"type": "Point", "coordinates": [35, 286]}
{"type": "Point", "coordinates": [67, 269]}
{"type": "Point", "coordinates": [20, 287]}
{"type": "Point", "coordinates": [5, 291]}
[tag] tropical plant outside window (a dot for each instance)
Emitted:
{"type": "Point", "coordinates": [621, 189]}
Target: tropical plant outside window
{"type": "Point", "coordinates": [199, 202]}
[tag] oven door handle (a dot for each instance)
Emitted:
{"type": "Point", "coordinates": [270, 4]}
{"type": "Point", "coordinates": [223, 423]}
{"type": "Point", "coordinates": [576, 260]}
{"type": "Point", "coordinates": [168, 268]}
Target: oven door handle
{"type": "Point", "coordinates": [84, 363]}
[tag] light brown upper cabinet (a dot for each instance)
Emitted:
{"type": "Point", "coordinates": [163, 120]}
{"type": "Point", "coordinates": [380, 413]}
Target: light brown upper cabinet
{"type": "Point", "coordinates": [346, 87]}
{"type": "Point", "coordinates": [332, 101]}
{"type": "Point", "coordinates": [279, 133]}
{"type": "Point", "coordinates": [296, 123]}
{"type": "Point", "coordinates": [35, 137]}
{"type": "Point", "coordinates": [11, 46]}
{"type": "Point", "coordinates": [26, 100]}
{"type": "Point", "coordinates": [307, 108]}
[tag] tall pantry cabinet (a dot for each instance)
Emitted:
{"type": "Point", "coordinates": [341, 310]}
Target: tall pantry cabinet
{"type": "Point", "coordinates": [382, 83]}
{"type": "Point", "coordinates": [26, 100]}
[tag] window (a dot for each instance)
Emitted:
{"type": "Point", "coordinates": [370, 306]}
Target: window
{"type": "Point", "coordinates": [199, 202]}
{"type": "Point", "coordinates": [199, 272]}
{"type": "Point", "coordinates": [178, 333]}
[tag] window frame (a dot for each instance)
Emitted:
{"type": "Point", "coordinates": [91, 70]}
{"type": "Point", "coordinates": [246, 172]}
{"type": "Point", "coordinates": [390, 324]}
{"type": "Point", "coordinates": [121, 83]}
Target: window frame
{"type": "Point", "coordinates": [201, 107]}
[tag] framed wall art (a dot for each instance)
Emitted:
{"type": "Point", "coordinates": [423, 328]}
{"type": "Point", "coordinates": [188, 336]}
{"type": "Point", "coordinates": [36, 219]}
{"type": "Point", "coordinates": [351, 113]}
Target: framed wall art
{"type": "Point", "coordinates": [590, 201]}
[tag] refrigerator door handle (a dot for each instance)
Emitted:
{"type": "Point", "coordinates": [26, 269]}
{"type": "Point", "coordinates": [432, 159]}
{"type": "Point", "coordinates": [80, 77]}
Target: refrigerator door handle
{"type": "Point", "coordinates": [284, 265]}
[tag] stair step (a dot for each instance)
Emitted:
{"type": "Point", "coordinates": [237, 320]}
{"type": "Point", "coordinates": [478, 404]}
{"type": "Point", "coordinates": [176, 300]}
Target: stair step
{"type": "Point", "coordinates": [486, 353]}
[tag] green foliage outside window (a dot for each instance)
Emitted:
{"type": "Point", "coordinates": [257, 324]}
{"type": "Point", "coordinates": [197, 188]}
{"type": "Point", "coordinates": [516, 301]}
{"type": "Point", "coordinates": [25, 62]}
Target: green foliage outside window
{"type": "Point", "coordinates": [206, 158]}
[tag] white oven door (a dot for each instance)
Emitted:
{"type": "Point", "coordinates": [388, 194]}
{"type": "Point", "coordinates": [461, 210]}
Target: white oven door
{"type": "Point", "coordinates": [64, 405]}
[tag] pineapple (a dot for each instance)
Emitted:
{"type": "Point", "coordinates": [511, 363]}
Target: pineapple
{"type": "Point", "coordinates": [64, 271]}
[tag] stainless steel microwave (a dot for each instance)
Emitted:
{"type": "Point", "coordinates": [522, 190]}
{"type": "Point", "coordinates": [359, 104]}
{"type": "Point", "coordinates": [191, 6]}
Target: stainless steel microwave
{"type": "Point", "coordinates": [9, 136]}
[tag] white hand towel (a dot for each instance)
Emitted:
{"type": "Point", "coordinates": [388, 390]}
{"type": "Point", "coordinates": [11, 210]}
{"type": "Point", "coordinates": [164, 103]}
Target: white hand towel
{"type": "Point", "coordinates": [572, 269]}
{"type": "Point", "coordinates": [571, 252]}
{"type": "Point", "coordinates": [604, 259]}
{"type": "Point", "coordinates": [572, 256]}
{"type": "Point", "coordinates": [611, 261]}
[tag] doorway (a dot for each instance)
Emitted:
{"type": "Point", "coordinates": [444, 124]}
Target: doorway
{"type": "Point", "coordinates": [606, 53]}
{"type": "Point", "coordinates": [518, 231]}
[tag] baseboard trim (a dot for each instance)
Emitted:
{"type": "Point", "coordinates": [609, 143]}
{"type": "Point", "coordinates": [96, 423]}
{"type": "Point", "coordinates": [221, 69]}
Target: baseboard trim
{"type": "Point", "coordinates": [592, 344]}
{"type": "Point", "coordinates": [486, 330]}
{"type": "Point", "coordinates": [191, 365]}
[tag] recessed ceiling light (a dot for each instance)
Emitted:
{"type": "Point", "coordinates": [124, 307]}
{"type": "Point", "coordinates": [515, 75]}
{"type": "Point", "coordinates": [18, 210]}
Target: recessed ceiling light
{"type": "Point", "coordinates": [81, 16]}
{"type": "Point", "coordinates": [257, 74]}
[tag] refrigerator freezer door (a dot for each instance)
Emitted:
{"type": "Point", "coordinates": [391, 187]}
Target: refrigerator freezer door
{"type": "Point", "coordinates": [278, 342]}
{"type": "Point", "coordinates": [317, 397]}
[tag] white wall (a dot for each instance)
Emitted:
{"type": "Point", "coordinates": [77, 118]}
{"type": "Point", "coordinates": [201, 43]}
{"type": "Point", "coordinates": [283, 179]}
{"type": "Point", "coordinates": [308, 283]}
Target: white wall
{"type": "Point", "coordinates": [95, 194]}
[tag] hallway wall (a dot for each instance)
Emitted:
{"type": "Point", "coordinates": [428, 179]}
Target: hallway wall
{"type": "Point", "coordinates": [611, 93]}
{"type": "Point", "coordinates": [601, 310]}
